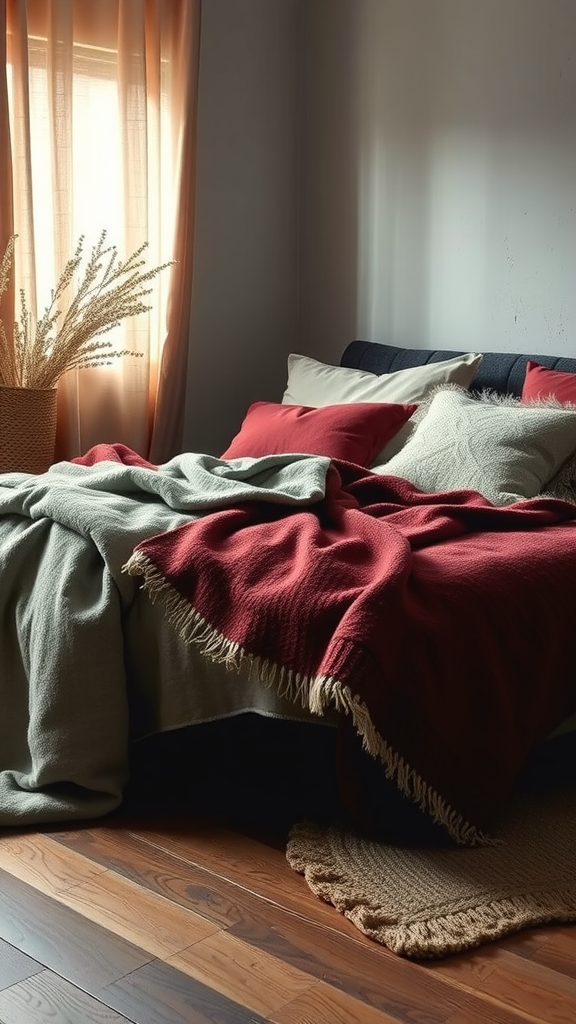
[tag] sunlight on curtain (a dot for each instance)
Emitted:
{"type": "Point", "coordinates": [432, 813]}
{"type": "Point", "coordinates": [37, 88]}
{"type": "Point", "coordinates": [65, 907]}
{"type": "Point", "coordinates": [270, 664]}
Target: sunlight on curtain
{"type": "Point", "coordinates": [102, 105]}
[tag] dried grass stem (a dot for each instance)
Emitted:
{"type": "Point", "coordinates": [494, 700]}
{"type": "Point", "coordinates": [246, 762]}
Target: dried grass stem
{"type": "Point", "coordinates": [108, 291]}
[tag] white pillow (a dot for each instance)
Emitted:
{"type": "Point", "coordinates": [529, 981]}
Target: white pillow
{"type": "Point", "coordinates": [502, 448]}
{"type": "Point", "coordinates": [316, 384]}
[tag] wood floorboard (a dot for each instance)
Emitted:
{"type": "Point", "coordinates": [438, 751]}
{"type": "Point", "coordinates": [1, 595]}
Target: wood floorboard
{"type": "Point", "coordinates": [129, 910]}
{"type": "Point", "coordinates": [243, 973]}
{"type": "Point", "coordinates": [162, 920]}
{"type": "Point", "coordinates": [80, 951]}
{"type": "Point", "coordinates": [325, 1005]}
{"type": "Point", "coordinates": [15, 966]}
{"type": "Point", "coordinates": [486, 1012]}
{"type": "Point", "coordinates": [45, 997]}
{"type": "Point", "coordinates": [502, 978]}
{"type": "Point", "coordinates": [159, 994]}
{"type": "Point", "coordinates": [342, 958]}
{"type": "Point", "coordinates": [44, 865]}
{"type": "Point", "coordinates": [558, 951]}
{"type": "Point", "coordinates": [190, 872]}
{"type": "Point", "coordinates": [257, 867]}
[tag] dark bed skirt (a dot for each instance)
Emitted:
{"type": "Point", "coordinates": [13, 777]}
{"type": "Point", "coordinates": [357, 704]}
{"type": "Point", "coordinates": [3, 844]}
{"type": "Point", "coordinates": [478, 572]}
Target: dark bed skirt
{"type": "Point", "coordinates": [264, 774]}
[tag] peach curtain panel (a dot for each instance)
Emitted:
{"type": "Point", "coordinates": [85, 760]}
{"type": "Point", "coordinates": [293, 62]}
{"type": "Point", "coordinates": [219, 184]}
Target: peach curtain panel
{"type": "Point", "coordinates": [98, 110]}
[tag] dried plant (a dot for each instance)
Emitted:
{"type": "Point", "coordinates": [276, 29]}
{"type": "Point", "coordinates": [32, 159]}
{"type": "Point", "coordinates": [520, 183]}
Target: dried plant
{"type": "Point", "coordinates": [109, 290]}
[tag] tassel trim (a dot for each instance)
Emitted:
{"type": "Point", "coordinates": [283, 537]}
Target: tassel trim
{"type": "Point", "coordinates": [317, 693]}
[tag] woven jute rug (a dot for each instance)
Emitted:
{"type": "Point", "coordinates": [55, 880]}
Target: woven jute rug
{"type": "Point", "coordinates": [433, 902]}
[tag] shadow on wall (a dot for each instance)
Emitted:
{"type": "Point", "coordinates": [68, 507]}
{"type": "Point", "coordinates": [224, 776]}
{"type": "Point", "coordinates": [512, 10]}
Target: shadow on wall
{"type": "Point", "coordinates": [330, 143]}
{"type": "Point", "coordinates": [244, 301]}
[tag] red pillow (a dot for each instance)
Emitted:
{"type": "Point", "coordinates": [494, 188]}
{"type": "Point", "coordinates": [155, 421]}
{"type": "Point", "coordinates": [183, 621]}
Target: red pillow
{"type": "Point", "coordinates": [354, 432]}
{"type": "Point", "coordinates": [540, 382]}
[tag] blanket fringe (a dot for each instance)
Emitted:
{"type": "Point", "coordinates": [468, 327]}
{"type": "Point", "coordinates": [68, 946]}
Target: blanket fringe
{"type": "Point", "coordinates": [318, 693]}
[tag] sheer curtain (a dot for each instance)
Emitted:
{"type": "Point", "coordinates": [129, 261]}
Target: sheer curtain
{"type": "Point", "coordinates": [97, 132]}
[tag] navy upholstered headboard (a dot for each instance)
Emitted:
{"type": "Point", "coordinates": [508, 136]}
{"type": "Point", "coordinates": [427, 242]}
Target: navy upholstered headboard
{"type": "Point", "coordinates": [500, 371]}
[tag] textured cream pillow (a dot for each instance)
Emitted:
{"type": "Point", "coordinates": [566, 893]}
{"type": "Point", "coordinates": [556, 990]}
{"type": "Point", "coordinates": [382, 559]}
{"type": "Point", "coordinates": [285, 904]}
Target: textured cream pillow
{"type": "Point", "coordinates": [505, 450]}
{"type": "Point", "coordinates": [563, 485]}
{"type": "Point", "coordinates": [315, 384]}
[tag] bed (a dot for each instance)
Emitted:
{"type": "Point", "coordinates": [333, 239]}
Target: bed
{"type": "Point", "coordinates": [389, 550]}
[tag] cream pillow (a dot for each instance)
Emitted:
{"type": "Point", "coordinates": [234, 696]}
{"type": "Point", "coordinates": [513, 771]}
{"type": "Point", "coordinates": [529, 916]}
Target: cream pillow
{"type": "Point", "coordinates": [506, 450]}
{"type": "Point", "coordinates": [315, 384]}
{"type": "Point", "coordinates": [563, 485]}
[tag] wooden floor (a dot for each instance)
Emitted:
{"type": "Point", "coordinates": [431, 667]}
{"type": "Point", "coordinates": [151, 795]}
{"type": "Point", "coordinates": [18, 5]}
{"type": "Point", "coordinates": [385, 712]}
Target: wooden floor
{"type": "Point", "coordinates": [159, 915]}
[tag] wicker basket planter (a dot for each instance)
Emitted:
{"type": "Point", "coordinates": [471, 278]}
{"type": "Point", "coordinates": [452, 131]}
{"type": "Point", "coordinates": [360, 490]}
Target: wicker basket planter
{"type": "Point", "coordinates": [27, 429]}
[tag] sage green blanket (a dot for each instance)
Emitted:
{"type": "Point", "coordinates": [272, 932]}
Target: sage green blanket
{"type": "Point", "coordinates": [64, 539]}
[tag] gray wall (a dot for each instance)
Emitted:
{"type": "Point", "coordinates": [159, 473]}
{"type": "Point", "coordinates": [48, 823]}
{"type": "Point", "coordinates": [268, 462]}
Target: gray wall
{"type": "Point", "coordinates": [244, 307]}
{"type": "Point", "coordinates": [399, 170]}
{"type": "Point", "coordinates": [439, 174]}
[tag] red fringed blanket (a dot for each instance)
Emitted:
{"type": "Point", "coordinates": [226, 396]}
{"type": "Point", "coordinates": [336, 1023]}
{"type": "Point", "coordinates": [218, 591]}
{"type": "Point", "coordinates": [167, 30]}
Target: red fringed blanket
{"type": "Point", "coordinates": [442, 625]}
